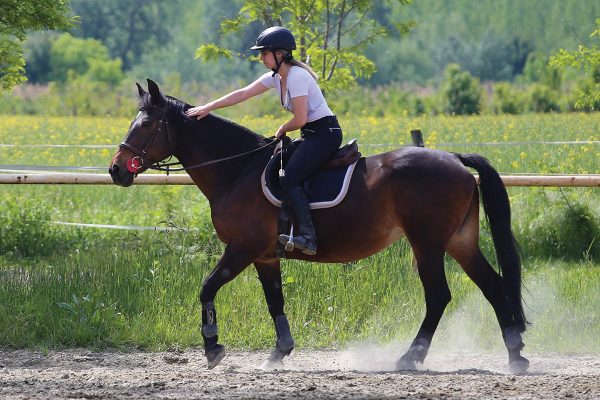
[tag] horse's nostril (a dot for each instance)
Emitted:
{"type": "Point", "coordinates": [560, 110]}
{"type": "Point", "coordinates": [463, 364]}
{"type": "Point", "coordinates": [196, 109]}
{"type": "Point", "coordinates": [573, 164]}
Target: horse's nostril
{"type": "Point", "coordinates": [114, 170]}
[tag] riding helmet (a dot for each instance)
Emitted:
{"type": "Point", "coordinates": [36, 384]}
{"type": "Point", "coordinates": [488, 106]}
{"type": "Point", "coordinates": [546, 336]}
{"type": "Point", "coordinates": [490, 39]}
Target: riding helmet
{"type": "Point", "coordinates": [275, 37]}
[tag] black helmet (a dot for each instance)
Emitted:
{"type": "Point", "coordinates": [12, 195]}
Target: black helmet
{"type": "Point", "coordinates": [275, 37]}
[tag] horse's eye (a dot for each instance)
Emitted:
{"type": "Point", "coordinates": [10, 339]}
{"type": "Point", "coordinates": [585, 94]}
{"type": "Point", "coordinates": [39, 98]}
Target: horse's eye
{"type": "Point", "coordinates": [146, 123]}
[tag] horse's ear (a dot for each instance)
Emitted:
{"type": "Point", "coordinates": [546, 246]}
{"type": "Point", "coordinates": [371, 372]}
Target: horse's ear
{"type": "Point", "coordinates": [153, 88]}
{"type": "Point", "coordinates": [155, 95]}
{"type": "Point", "coordinates": [141, 90]}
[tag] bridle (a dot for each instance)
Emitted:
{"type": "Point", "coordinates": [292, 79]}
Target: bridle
{"type": "Point", "coordinates": [140, 161]}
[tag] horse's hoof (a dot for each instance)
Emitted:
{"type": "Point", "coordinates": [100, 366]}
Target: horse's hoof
{"type": "Point", "coordinates": [519, 365]}
{"type": "Point", "coordinates": [405, 364]}
{"type": "Point", "coordinates": [215, 355]}
{"type": "Point", "coordinates": [271, 364]}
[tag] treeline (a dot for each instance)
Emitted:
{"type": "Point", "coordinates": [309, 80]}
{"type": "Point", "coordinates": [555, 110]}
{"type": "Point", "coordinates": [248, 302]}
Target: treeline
{"type": "Point", "coordinates": [499, 50]}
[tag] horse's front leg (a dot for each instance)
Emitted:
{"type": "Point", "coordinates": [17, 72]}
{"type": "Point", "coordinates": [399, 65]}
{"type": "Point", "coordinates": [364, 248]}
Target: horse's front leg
{"type": "Point", "coordinates": [233, 261]}
{"type": "Point", "coordinates": [269, 274]}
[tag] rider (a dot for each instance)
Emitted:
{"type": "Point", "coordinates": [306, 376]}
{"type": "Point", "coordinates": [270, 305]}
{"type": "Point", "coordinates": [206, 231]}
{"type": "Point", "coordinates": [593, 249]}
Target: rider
{"type": "Point", "coordinates": [298, 92]}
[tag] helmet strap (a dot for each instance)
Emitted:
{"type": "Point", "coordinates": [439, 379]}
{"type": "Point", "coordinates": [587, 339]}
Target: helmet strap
{"type": "Point", "coordinates": [277, 63]}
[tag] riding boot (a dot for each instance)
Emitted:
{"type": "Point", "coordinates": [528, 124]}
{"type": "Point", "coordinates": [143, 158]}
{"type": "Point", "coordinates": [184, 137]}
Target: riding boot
{"type": "Point", "coordinates": [305, 239]}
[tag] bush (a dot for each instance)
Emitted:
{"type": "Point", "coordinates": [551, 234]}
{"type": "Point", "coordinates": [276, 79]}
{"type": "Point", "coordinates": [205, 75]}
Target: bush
{"type": "Point", "coordinates": [565, 230]}
{"type": "Point", "coordinates": [588, 96]}
{"type": "Point", "coordinates": [542, 99]}
{"type": "Point", "coordinates": [71, 57]}
{"type": "Point", "coordinates": [507, 100]}
{"type": "Point", "coordinates": [24, 229]}
{"type": "Point", "coordinates": [462, 92]}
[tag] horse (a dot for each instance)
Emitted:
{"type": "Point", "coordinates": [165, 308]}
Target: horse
{"type": "Point", "coordinates": [426, 195]}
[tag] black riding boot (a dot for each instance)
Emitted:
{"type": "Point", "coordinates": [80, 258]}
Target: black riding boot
{"type": "Point", "coordinates": [304, 237]}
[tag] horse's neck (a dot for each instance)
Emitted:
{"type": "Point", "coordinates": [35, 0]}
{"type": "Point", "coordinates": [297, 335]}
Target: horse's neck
{"type": "Point", "coordinates": [213, 138]}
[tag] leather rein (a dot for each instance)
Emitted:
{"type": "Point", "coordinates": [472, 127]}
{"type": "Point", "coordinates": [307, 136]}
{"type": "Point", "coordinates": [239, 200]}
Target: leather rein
{"type": "Point", "coordinates": [140, 160]}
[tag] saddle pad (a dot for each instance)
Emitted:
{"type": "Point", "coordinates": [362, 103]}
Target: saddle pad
{"type": "Point", "coordinates": [327, 188]}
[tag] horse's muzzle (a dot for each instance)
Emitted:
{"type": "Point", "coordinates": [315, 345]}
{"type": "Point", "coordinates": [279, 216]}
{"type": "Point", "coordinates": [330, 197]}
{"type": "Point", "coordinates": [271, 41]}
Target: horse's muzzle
{"type": "Point", "coordinates": [120, 176]}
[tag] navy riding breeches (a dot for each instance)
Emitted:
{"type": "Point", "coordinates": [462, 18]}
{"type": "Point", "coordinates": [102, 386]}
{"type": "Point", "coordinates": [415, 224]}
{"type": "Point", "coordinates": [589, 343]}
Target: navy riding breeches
{"type": "Point", "coordinates": [322, 138]}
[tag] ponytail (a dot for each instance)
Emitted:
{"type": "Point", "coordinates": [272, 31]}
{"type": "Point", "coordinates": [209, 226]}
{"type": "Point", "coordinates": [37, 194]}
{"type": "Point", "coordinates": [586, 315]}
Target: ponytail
{"type": "Point", "coordinates": [306, 67]}
{"type": "Point", "coordinates": [288, 58]}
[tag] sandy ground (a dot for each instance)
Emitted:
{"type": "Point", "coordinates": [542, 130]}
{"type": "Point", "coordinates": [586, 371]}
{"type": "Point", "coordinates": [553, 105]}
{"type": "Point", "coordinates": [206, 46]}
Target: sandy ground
{"type": "Point", "coordinates": [358, 373]}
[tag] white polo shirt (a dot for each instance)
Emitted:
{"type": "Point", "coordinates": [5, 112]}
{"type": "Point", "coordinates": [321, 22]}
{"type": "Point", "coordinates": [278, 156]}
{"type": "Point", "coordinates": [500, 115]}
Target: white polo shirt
{"type": "Point", "coordinates": [299, 83]}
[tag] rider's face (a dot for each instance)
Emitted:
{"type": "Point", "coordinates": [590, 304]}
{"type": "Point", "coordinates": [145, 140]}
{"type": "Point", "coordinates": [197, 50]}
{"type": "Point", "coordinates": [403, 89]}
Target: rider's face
{"type": "Point", "coordinates": [266, 57]}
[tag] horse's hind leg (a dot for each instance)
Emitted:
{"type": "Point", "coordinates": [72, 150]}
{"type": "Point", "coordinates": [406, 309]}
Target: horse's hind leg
{"type": "Point", "coordinates": [269, 274]}
{"type": "Point", "coordinates": [464, 248]}
{"type": "Point", "coordinates": [430, 264]}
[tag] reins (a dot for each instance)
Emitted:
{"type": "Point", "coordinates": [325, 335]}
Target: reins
{"type": "Point", "coordinates": [160, 166]}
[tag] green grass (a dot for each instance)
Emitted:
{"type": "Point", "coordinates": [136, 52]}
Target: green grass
{"type": "Point", "coordinates": [63, 286]}
{"type": "Point", "coordinates": [143, 292]}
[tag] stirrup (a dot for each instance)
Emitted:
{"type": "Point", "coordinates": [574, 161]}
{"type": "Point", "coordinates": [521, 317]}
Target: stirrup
{"type": "Point", "coordinates": [292, 243]}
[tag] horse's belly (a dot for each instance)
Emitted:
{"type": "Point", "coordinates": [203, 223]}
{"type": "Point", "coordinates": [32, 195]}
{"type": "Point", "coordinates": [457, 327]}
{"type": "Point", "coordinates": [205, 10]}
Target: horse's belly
{"type": "Point", "coordinates": [356, 244]}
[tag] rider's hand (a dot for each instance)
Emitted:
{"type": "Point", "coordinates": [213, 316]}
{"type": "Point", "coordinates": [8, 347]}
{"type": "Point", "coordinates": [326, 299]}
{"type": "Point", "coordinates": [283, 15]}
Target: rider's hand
{"type": "Point", "coordinates": [280, 133]}
{"type": "Point", "coordinates": [198, 112]}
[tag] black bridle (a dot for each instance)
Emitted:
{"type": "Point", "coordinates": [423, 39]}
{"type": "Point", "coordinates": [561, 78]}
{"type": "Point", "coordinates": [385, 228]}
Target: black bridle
{"type": "Point", "coordinates": [140, 161]}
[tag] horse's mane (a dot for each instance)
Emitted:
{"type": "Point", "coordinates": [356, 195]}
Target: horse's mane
{"type": "Point", "coordinates": [212, 124]}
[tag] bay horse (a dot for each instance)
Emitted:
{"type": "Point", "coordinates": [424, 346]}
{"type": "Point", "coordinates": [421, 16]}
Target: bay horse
{"type": "Point", "coordinates": [427, 195]}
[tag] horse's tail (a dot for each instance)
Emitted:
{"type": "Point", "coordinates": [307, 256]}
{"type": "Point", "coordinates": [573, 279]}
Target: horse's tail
{"type": "Point", "coordinates": [497, 209]}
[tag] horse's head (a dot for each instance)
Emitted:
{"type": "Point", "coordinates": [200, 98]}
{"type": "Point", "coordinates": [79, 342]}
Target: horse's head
{"type": "Point", "coordinates": [148, 140]}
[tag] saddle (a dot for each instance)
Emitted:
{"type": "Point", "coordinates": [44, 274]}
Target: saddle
{"type": "Point", "coordinates": [326, 188]}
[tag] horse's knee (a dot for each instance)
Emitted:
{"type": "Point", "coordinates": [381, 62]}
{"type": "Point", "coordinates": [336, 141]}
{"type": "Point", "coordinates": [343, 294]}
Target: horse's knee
{"type": "Point", "coordinates": [208, 291]}
{"type": "Point", "coordinates": [439, 299]}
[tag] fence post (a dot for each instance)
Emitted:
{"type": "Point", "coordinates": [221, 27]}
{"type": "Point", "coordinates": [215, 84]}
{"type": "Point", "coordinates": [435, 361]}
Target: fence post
{"type": "Point", "coordinates": [417, 138]}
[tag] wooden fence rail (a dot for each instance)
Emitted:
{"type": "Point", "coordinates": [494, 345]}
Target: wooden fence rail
{"type": "Point", "coordinates": [68, 178]}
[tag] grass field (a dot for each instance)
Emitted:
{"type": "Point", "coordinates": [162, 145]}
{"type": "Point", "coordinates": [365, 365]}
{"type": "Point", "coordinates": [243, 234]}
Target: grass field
{"type": "Point", "coordinates": [66, 286]}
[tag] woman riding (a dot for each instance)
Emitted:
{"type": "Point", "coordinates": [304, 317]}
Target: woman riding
{"type": "Point", "coordinates": [298, 92]}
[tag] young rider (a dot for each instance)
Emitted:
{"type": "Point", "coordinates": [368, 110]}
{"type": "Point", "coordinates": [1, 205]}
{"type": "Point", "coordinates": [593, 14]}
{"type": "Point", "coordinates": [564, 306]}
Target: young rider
{"type": "Point", "coordinates": [298, 92]}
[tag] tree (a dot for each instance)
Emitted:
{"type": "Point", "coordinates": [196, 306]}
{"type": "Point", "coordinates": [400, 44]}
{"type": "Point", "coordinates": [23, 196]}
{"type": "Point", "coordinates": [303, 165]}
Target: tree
{"type": "Point", "coordinates": [331, 35]}
{"type": "Point", "coordinates": [17, 18]}
{"type": "Point", "coordinates": [71, 57]}
{"type": "Point", "coordinates": [587, 58]}
{"type": "Point", "coordinates": [127, 28]}
{"type": "Point", "coordinates": [461, 91]}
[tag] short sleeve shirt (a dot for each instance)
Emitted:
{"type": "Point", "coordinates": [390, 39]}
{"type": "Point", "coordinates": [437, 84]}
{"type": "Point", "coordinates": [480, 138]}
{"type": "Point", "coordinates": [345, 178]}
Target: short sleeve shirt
{"type": "Point", "coordinates": [299, 83]}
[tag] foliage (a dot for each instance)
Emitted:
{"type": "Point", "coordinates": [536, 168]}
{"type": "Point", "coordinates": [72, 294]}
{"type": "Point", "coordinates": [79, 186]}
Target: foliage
{"type": "Point", "coordinates": [96, 97]}
{"type": "Point", "coordinates": [127, 28]}
{"type": "Point", "coordinates": [537, 70]}
{"type": "Point", "coordinates": [82, 58]}
{"type": "Point", "coordinates": [542, 99]}
{"type": "Point", "coordinates": [24, 229]}
{"type": "Point", "coordinates": [587, 58]}
{"type": "Point", "coordinates": [507, 99]}
{"type": "Point", "coordinates": [461, 91]}
{"type": "Point", "coordinates": [489, 39]}
{"type": "Point", "coordinates": [330, 34]}
{"type": "Point", "coordinates": [17, 17]}
{"type": "Point", "coordinates": [567, 229]}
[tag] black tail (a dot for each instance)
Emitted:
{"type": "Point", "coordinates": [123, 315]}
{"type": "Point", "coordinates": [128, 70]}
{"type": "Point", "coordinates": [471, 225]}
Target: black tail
{"type": "Point", "coordinates": [497, 210]}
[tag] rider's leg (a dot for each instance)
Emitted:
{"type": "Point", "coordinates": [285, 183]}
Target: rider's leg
{"type": "Point", "coordinates": [310, 155]}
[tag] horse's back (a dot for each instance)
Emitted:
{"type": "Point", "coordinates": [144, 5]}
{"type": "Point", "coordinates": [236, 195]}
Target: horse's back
{"type": "Point", "coordinates": [420, 162]}
{"type": "Point", "coordinates": [422, 187]}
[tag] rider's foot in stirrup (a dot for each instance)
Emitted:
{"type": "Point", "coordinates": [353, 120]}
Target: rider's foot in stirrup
{"type": "Point", "coordinates": [307, 246]}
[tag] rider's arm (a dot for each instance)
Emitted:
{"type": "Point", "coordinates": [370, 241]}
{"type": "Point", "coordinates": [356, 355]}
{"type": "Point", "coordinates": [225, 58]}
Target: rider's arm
{"type": "Point", "coordinates": [235, 97]}
{"type": "Point", "coordinates": [300, 110]}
